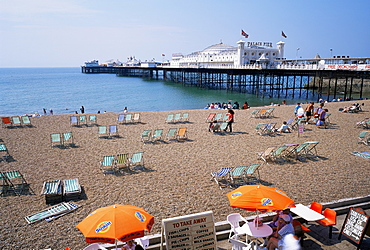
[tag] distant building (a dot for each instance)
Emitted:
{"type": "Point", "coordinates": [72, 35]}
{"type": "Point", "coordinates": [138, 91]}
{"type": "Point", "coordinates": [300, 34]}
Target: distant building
{"type": "Point", "coordinates": [222, 55]}
{"type": "Point", "coordinates": [93, 63]}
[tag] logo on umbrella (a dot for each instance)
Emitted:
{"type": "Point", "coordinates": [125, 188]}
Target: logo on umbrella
{"type": "Point", "coordinates": [267, 202]}
{"type": "Point", "coordinates": [140, 216]}
{"type": "Point", "coordinates": [103, 227]}
{"type": "Point", "coordinates": [235, 195]}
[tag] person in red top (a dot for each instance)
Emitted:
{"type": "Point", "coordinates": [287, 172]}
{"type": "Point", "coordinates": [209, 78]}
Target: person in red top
{"type": "Point", "coordinates": [230, 120]}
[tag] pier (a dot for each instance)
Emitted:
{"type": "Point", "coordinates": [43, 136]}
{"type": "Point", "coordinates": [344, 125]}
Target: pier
{"type": "Point", "coordinates": [299, 81]}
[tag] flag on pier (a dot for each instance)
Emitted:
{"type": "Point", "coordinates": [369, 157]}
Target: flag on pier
{"type": "Point", "coordinates": [283, 34]}
{"type": "Point", "coordinates": [245, 34]}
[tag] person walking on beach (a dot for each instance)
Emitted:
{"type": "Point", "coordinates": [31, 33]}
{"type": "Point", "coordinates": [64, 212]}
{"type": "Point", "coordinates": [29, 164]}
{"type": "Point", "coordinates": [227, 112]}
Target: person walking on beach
{"type": "Point", "coordinates": [296, 109]}
{"type": "Point", "coordinates": [44, 111]}
{"type": "Point", "coordinates": [309, 111]}
{"type": "Point", "coordinates": [230, 120]}
{"type": "Point", "coordinates": [125, 110]}
{"type": "Point", "coordinates": [82, 110]}
{"type": "Point", "coordinates": [51, 111]}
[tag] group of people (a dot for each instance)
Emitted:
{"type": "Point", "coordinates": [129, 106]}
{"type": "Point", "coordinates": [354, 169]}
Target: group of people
{"type": "Point", "coordinates": [285, 235]}
{"type": "Point", "coordinates": [310, 112]}
{"type": "Point", "coordinates": [130, 245]}
{"type": "Point", "coordinates": [224, 105]}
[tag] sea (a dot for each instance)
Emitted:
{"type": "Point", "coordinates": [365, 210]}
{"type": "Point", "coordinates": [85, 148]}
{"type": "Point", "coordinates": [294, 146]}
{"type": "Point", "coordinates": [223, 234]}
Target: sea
{"type": "Point", "coordinates": [66, 90]}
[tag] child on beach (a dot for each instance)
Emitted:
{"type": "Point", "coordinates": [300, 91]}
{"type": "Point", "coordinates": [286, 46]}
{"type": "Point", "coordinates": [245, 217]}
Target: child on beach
{"type": "Point", "coordinates": [284, 128]}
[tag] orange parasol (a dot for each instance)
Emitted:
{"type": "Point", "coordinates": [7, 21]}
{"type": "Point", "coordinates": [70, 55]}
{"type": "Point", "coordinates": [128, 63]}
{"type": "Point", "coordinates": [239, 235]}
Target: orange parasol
{"type": "Point", "coordinates": [259, 197]}
{"type": "Point", "coordinates": [117, 222]}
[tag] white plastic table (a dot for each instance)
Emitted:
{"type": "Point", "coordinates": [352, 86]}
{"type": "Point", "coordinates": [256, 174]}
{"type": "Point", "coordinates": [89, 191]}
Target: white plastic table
{"type": "Point", "coordinates": [306, 213]}
{"type": "Point", "coordinates": [251, 230]}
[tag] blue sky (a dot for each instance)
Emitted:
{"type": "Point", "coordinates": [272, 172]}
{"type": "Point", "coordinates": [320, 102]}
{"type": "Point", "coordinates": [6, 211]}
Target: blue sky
{"type": "Point", "coordinates": [65, 33]}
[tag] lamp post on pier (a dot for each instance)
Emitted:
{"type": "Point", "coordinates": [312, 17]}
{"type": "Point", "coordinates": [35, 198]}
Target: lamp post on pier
{"type": "Point", "coordinates": [331, 53]}
{"type": "Point", "coordinates": [296, 56]}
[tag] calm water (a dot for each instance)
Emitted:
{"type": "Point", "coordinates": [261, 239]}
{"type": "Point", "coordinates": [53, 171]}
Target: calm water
{"type": "Point", "coordinates": [65, 90]}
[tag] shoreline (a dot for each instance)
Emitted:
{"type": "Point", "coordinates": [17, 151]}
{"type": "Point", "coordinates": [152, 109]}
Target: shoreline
{"type": "Point", "coordinates": [177, 179]}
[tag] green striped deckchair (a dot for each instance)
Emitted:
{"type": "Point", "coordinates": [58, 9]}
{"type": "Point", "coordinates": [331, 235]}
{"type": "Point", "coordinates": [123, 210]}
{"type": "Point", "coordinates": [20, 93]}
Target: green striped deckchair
{"type": "Point", "coordinates": [171, 133]}
{"type": "Point", "coordinates": [146, 135]}
{"type": "Point", "coordinates": [68, 139]}
{"type": "Point", "coordinates": [251, 172]}
{"type": "Point", "coordinates": [237, 173]}
{"type": "Point", "coordinates": [365, 155]}
{"type": "Point", "coordinates": [107, 165]}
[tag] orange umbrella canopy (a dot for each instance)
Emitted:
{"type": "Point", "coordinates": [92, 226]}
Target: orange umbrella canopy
{"type": "Point", "coordinates": [260, 197]}
{"type": "Point", "coordinates": [117, 222]}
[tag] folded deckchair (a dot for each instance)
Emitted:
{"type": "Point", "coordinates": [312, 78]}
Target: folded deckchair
{"type": "Point", "coordinates": [53, 191]}
{"type": "Point", "coordinates": [26, 120]}
{"type": "Point", "coordinates": [157, 135]}
{"type": "Point", "coordinates": [122, 161]}
{"type": "Point", "coordinates": [16, 121]}
{"type": "Point", "coordinates": [169, 118]}
{"type": "Point", "coordinates": [52, 212]}
{"type": "Point", "coordinates": [365, 155]}
{"type": "Point", "coordinates": [107, 164]}
{"type": "Point", "coordinates": [137, 159]}
{"type": "Point", "coordinates": [220, 176]}
{"type": "Point", "coordinates": [73, 120]}
{"type": "Point", "coordinates": [146, 135]}
{"type": "Point", "coordinates": [211, 117]}
{"type": "Point", "coordinates": [136, 118]}
{"type": "Point", "coordinates": [6, 121]}
{"type": "Point", "coordinates": [4, 152]}
{"type": "Point", "coordinates": [182, 134]}
{"type": "Point", "coordinates": [218, 117]}
{"type": "Point", "coordinates": [71, 189]}
{"type": "Point", "coordinates": [364, 137]}
{"type": "Point", "coordinates": [171, 134]}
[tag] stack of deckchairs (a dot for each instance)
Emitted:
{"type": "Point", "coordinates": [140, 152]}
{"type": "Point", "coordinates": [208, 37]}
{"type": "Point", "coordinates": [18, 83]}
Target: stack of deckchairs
{"type": "Point", "coordinates": [52, 213]}
{"type": "Point", "coordinates": [113, 164]}
{"type": "Point", "coordinates": [233, 176]}
{"type": "Point", "coordinates": [288, 151]}
{"type": "Point", "coordinates": [56, 191]}
{"type": "Point", "coordinates": [129, 118]}
{"type": "Point", "coordinates": [16, 121]}
{"type": "Point", "coordinates": [152, 136]}
{"type": "Point", "coordinates": [177, 117]}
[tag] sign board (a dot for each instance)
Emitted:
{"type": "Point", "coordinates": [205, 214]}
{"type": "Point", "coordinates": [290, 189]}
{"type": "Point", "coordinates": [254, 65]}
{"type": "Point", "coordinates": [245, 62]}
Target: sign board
{"type": "Point", "coordinates": [190, 232]}
{"type": "Point", "coordinates": [355, 225]}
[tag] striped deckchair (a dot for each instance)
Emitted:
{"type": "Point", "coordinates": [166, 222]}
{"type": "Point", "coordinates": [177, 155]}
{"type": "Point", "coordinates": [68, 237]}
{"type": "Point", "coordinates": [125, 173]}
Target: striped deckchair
{"type": "Point", "coordinates": [71, 189]}
{"type": "Point", "coordinates": [52, 213]}
{"type": "Point", "coordinates": [364, 137]}
{"type": "Point", "coordinates": [177, 117]}
{"type": "Point", "coordinates": [107, 165]}
{"type": "Point", "coordinates": [137, 159]}
{"type": "Point", "coordinates": [4, 152]}
{"type": "Point", "coordinates": [220, 176]}
{"type": "Point", "coordinates": [185, 117]}
{"type": "Point", "coordinates": [73, 120]}
{"type": "Point", "coordinates": [237, 174]}
{"type": "Point", "coordinates": [122, 161]}
{"type": "Point", "coordinates": [157, 135]}
{"type": "Point", "coordinates": [93, 120]}
{"type": "Point", "coordinates": [26, 120]}
{"type": "Point", "coordinates": [68, 139]}
{"type": "Point", "coordinates": [169, 118]}
{"type": "Point", "coordinates": [171, 133]}
{"type": "Point", "coordinates": [252, 173]}
{"type": "Point", "coordinates": [121, 118]}
{"type": "Point", "coordinates": [146, 135]}
{"type": "Point", "coordinates": [211, 117]}
{"type": "Point", "coordinates": [16, 121]}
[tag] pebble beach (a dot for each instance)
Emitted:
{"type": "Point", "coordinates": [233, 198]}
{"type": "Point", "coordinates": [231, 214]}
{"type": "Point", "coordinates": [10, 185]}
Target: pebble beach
{"type": "Point", "coordinates": [176, 179]}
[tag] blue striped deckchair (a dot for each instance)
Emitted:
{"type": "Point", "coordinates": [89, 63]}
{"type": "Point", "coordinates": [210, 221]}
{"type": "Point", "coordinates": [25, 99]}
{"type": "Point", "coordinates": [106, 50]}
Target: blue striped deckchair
{"type": "Point", "coordinates": [185, 117]}
{"type": "Point", "coordinates": [56, 139]}
{"type": "Point", "coordinates": [169, 118]}
{"type": "Point", "coordinates": [4, 152]}
{"type": "Point", "coordinates": [52, 188]}
{"type": "Point", "coordinates": [16, 121]}
{"type": "Point", "coordinates": [221, 176]}
{"type": "Point", "coordinates": [237, 174]}
{"type": "Point", "coordinates": [252, 173]}
{"type": "Point", "coordinates": [177, 117]}
{"type": "Point", "coordinates": [26, 120]}
{"type": "Point", "coordinates": [93, 120]}
{"type": "Point", "coordinates": [107, 165]}
{"type": "Point", "coordinates": [137, 159]}
{"type": "Point", "coordinates": [157, 135]}
{"type": "Point", "coordinates": [146, 135]}
{"type": "Point", "coordinates": [113, 130]}
{"type": "Point", "coordinates": [67, 139]}
{"type": "Point", "coordinates": [365, 155]}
